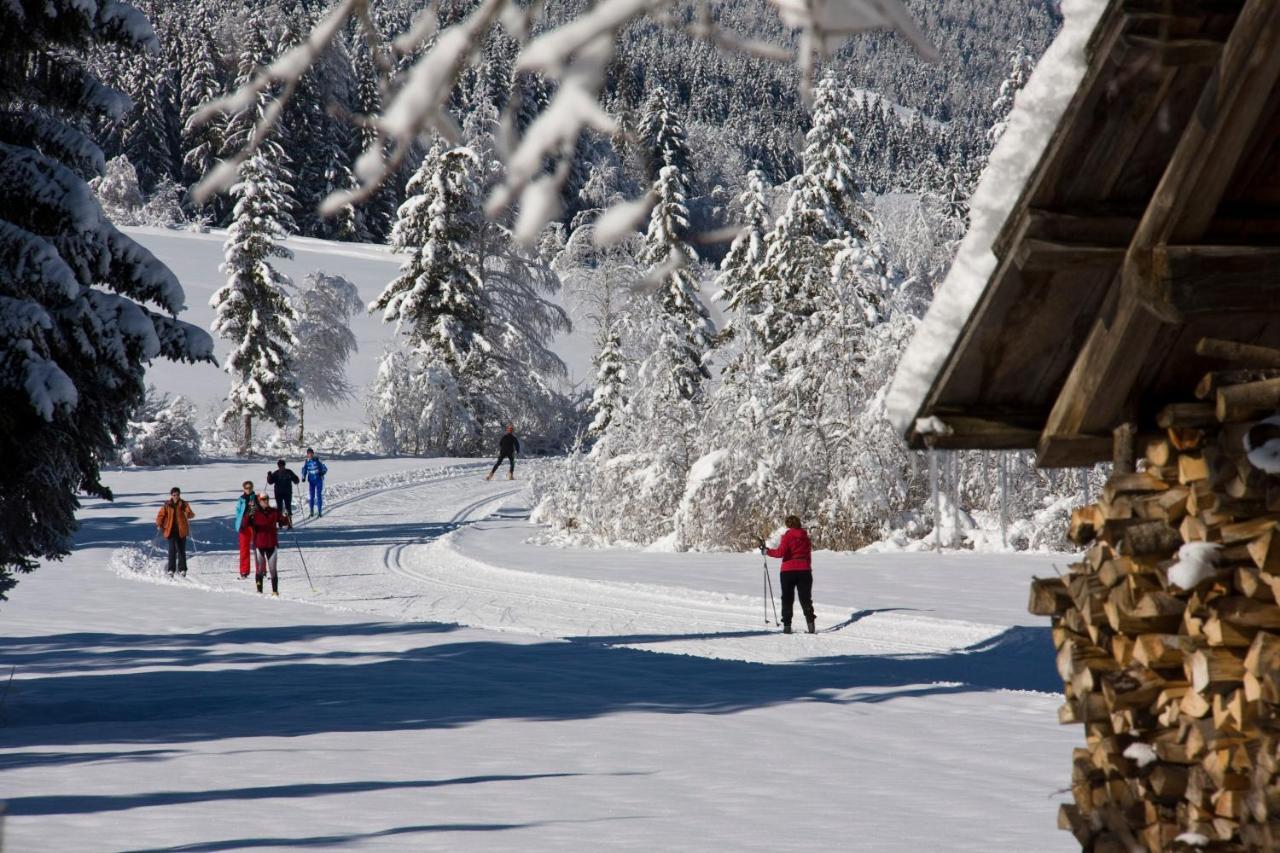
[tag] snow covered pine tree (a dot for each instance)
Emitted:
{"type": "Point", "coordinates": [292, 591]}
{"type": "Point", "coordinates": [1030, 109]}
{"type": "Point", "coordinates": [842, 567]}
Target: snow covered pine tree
{"type": "Point", "coordinates": [77, 332]}
{"type": "Point", "coordinates": [436, 300]}
{"type": "Point", "coordinates": [252, 310]}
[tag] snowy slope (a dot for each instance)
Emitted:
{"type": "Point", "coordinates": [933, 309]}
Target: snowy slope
{"type": "Point", "coordinates": [147, 714]}
{"type": "Point", "coordinates": [195, 257]}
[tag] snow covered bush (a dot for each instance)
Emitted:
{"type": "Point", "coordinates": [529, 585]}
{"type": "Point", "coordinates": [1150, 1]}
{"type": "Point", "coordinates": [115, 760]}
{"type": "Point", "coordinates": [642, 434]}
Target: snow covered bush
{"type": "Point", "coordinates": [821, 302]}
{"type": "Point", "coordinates": [163, 207]}
{"type": "Point", "coordinates": [124, 202]}
{"type": "Point", "coordinates": [324, 307]}
{"type": "Point", "coordinates": [85, 309]}
{"type": "Point", "coordinates": [118, 192]}
{"type": "Point", "coordinates": [163, 432]}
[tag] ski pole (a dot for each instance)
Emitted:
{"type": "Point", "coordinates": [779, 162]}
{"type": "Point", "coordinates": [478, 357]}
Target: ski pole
{"type": "Point", "coordinates": [304, 561]}
{"type": "Point", "coordinates": [764, 591]}
{"type": "Point", "coordinates": [772, 600]}
{"type": "Point", "coordinates": [768, 591]}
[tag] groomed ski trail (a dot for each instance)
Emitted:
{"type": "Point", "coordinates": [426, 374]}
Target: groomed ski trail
{"type": "Point", "coordinates": [388, 549]}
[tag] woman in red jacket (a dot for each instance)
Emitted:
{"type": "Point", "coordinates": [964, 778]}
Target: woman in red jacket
{"type": "Point", "coordinates": [265, 522]}
{"type": "Point", "coordinates": [797, 572]}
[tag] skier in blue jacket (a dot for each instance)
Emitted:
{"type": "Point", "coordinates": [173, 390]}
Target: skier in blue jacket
{"type": "Point", "coordinates": [313, 470]}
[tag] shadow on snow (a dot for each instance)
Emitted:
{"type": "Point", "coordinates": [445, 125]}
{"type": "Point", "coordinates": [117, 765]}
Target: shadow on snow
{"type": "Point", "coordinates": [436, 681]}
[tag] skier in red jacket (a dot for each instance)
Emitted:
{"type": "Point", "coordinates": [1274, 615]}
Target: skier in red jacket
{"type": "Point", "coordinates": [265, 522]}
{"type": "Point", "coordinates": [797, 572]}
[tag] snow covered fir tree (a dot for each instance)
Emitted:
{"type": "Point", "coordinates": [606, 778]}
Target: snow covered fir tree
{"type": "Point", "coordinates": [86, 308]}
{"type": "Point", "coordinates": [252, 309]}
{"type": "Point", "coordinates": [437, 300]}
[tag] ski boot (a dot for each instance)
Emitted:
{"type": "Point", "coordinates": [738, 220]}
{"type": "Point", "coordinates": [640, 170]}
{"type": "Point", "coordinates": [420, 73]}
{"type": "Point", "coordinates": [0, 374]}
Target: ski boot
{"type": "Point", "coordinates": [511, 476]}
{"type": "Point", "coordinates": [275, 589]}
{"type": "Point", "coordinates": [258, 580]}
{"type": "Point", "coordinates": [786, 629]}
{"type": "Point", "coordinates": [488, 476]}
{"type": "Point", "coordinates": [812, 626]}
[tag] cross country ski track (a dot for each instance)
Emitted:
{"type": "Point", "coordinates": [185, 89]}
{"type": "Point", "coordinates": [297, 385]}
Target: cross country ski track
{"type": "Point", "coordinates": [389, 549]}
{"type": "Point", "coordinates": [590, 608]}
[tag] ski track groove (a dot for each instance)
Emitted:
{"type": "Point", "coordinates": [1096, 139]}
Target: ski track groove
{"type": "Point", "coordinates": [669, 613]}
{"type": "Point", "coordinates": [393, 561]}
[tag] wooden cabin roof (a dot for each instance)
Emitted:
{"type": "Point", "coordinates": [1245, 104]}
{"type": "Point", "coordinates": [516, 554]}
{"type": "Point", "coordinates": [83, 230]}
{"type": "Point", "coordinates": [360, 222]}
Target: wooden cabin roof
{"type": "Point", "coordinates": [1151, 220]}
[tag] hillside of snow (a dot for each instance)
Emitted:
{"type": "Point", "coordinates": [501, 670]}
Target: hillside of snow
{"type": "Point", "coordinates": [194, 258]}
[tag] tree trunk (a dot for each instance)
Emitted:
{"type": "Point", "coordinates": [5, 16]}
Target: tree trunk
{"type": "Point", "coordinates": [302, 420]}
{"type": "Point", "coordinates": [247, 441]}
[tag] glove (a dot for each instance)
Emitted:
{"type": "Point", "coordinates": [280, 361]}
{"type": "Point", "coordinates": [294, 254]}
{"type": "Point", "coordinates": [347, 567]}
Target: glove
{"type": "Point", "coordinates": [763, 550]}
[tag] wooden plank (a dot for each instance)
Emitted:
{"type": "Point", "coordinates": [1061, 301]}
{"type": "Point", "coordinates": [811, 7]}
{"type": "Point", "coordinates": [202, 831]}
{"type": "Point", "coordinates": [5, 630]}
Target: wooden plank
{"type": "Point", "coordinates": [1167, 9]}
{"type": "Point", "coordinates": [1217, 279]}
{"type": "Point", "coordinates": [983, 434]}
{"type": "Point", "coordinates": [1034, 255]}
{"type": "Point", "coordinates": [1073, 451]}
{"type": "Point", "coordinates": [1092, 228]}
{"type": "Point", "coordinates": [1173, 52]}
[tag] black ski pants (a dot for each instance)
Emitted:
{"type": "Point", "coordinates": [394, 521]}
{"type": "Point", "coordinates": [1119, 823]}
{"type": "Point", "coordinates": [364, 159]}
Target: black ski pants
{"type": "Point", "coordinates": [509, 456]}
{"type": "Point", "coordinates": [177, 553]}
{"type": "Point", "coordinates": [793, 582]}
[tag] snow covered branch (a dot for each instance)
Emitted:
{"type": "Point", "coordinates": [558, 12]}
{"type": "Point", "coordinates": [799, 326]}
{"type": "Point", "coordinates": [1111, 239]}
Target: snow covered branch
{"type": "Point", "coordinates": [576, 54]}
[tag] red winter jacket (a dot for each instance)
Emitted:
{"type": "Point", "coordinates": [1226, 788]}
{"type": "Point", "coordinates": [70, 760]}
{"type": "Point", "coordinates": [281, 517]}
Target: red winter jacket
{"type": "Point", "coordinates": [795, 551]}
{"type": "Point", "coordinates": [265, 522]}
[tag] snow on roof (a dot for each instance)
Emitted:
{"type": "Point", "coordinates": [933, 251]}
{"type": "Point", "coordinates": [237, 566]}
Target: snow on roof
{"type": "Point", "coordinates": [1037, 110]}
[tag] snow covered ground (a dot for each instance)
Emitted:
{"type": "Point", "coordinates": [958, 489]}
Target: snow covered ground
{"type": "Point", "coordinates": [450, 686]}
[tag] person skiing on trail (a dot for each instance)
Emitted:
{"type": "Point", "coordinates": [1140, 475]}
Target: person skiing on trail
{"type": "Point", "coordinates": [508, 447]}
{"type": "Point", "coordinates": [797, 572]}
{"type": "Point", "coordinates": [245, 506]}
{"type": "Point", "coordinates": [173, 522]}
{"type": "Point", "coordinates": [265, 523]}
{"type": "Point", "coordinates": [314, 470]}
{"type": "Point", "coordinates": [283, 480]}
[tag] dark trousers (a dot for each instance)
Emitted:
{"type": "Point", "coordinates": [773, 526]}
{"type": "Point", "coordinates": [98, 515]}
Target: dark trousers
{"type": "Point", "coordinates": [267, 563]}
{"type": "Point", "coordinates": [177, 554]}
{"type": "Point", "coordinates": [284, 502]}
{"type": "Point", "coordinates": [793, 582]}
{"type": "Point", "coordinates": [510, 457]}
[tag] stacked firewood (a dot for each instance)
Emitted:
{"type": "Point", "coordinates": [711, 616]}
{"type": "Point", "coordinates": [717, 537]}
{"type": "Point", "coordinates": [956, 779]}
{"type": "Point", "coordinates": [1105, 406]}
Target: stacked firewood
{"type": "Point", "coordinates": [1168, 630]}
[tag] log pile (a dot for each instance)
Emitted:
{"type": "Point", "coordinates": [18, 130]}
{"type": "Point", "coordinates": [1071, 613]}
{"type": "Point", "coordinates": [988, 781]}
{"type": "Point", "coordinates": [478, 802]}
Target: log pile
{"type": "Point", "coordinates": [1167, 631]}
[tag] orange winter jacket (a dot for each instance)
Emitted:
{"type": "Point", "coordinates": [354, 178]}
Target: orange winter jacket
{"type": "Point", "coordinates": [170, 514]}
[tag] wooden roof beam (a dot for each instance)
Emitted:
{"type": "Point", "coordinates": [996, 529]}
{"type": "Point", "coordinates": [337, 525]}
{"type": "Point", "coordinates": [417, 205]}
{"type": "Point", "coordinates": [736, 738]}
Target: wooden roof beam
{"type": "Point", "coordinates": [1174, 52]}
{"type": "Point", "coordinates": [1194, 280]}
{"type": "Point", "coordinates": [1050, 256]}
{"type": "Point", "coordinates": [1181, 8]}
{"type": "Point", "coordinates": [977, 433]}
{"type": "Point", "coordinates": [1100, 385]}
